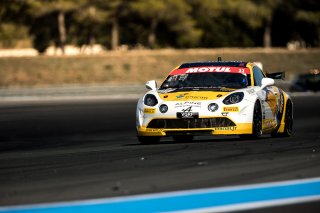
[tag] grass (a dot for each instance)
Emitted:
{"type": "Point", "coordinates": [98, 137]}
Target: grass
{"type": "Point", "coordinates": [140, 65]}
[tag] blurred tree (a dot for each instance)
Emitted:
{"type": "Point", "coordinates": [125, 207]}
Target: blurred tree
{"type": "Point", "coordinates": [311, 18]}
{"type": "Point", "coordinates": [172, 12]}
{"type": "Point", "coordinates": [113, 10]}
{"type": "Point", "coordinates": [223, 22]}
{"type": "Point", "coordinates": [11, 34]}
{"type": "Point", "coordinates": [43, 9]}
{"type": "Point", "coordinates": [256, 14]}
{"type": "Point", "coordinates": [13, 23]}
{"type": "Point", "coordinates": [154, 11]}
{"type": "Point", "coordinates": [88, 18]}
{"type": "Point", "coordinates": [267, 8]}
{"type": "Point", "coordinates": [14, 11]}
{"type": "Point", "coordinates": [44, 32]}
{"type": "Point", "coordinates": [176, 23]}
{"type": "Point", "coordinates": [297, 21]}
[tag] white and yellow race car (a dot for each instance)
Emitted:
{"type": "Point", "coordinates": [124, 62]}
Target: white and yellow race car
{"type": "Point", "coordinates": [214, 98]}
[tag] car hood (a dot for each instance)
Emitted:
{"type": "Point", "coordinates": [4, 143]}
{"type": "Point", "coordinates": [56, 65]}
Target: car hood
{"type": "Point", "coordinates": [192, 95]}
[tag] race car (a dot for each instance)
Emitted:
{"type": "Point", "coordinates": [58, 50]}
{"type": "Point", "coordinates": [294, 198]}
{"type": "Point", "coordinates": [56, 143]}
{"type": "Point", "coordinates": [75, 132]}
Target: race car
{"type": "Point", "coordinates": [306, 82]}
{"type": "Point", "coordinates": [214, 98]}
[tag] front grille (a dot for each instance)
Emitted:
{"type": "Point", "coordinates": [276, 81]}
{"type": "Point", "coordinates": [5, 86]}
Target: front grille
{"type": "Point", "coordinates": [189, 123]}
{"type": "Point", "coordinates": [190, 132]}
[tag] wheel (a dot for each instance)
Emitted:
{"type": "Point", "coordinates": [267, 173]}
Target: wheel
{"type": "Point", "coordinates": [256, 123]}
{"type": "Point", "coordinates": [148, 139]}
{"type": "Point", "coordinates": [182, 138]}
{"type": "Point", "coordinates": [288, 120]}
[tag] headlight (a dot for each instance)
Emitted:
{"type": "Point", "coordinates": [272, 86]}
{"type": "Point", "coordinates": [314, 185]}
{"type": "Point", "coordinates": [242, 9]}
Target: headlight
{"type": "Point", "coordinates": [150, 100]}
{"type": "Point", "coordinates": [233, 98]}
{"type": "Point", "coordinates": [163, 108]}
{"type": "Point", "coordinates": [213, 107]}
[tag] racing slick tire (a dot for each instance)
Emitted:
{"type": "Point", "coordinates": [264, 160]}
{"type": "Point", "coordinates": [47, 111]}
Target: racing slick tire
{"type": "Point", "coordinates": [256, 123]}
{"type": "Point", "coordinates": [182, 138]}
{"type": "Point", "coordinates": [148, 139]}
{"type": "Point", "coordinates": [288, 120]}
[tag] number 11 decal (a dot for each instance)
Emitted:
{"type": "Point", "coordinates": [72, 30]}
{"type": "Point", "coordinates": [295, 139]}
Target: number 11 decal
{"type": "Point", "coordinates": [241, 71]}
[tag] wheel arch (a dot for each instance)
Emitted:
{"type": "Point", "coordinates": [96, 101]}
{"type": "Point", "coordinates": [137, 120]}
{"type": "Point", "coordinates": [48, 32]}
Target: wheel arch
{"type": "Point", "coordinates": [288, 101]}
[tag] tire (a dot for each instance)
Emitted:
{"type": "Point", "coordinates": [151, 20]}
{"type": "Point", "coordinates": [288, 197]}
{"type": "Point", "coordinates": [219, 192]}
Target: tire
{"type": "Point", "coordinates": [148, 139]}
{"type": "Point", "coordinates": [182, 138]}
{"type": "Point", "coordinates": [288, 120]}
{"type": "Point", "coordinates": [256, 123]}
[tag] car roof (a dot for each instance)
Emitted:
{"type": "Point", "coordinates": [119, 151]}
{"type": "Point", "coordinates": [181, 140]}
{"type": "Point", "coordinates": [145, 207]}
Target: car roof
{"type": "Point", "coordinates": [214, 63]}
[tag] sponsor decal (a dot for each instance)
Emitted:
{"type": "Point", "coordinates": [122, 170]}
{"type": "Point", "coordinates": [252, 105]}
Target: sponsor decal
{"type": "Point", "coordinates": [166, 96]}
{"type": "Point", "coordinates": [189, 109]}
{"type": "Point", "coordinates": [231, 109]}
{"type": "Point", "coordinates": [242, 70]}
{"type": "Point", "coordinates": [185, 95]}
{"type": "Point", "coordinates": [228, 128]}
{"type": "Point", "coordinates": [208, 69]}
{"type": "Point", "coordinates": [269, 122]}
{"type": "Point", "coordinates": [188, 103]}
{"type": "Point", "coordinates": [281, 102]}
{"type": "Point", "coordinates": [224, 113]}
{"type": "Point", "coordinates": [182, 95]}
{"type": "Point", "coordinates": [187, 113]}
{"type": "Point", "coordinates": [196, 97]}
{"type": "Point", "coordinates": [149, 110]}
{"type": "Point", "coordinates": [250, 91]}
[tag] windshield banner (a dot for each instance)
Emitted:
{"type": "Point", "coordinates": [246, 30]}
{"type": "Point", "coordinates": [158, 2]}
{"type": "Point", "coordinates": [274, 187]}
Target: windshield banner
{"type": "Point", "coordinates": [242, 70]}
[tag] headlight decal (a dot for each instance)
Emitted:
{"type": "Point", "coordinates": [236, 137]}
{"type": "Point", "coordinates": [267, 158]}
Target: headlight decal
{"type": "Point", "coordinates": [150, 100]}
{"type": "Point", "coordinates": [234, 98]}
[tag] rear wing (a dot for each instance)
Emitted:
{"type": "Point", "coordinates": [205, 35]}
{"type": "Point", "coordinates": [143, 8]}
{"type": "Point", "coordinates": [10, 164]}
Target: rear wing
{"type": "Point", "coordinates": [276, 75]}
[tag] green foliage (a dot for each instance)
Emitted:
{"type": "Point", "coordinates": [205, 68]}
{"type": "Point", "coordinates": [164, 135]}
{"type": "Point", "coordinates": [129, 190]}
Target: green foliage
{"type": "Point", "coordinates": [87, 19]}
{"type": "Point", "coordinates": [312, 17]}
{"type": "Point", "coordinates": [11, 34]}
{"type": "Point", "coordinates": [223, 23]}
{"type": "Point", "coordinates": [42, 8]}
{"type": "Point", "coordinates": [174, 14]}
{"type": "Point", "coordinates": [159, 23]}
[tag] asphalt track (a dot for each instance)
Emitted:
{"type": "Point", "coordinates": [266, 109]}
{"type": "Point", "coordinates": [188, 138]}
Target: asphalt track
{"type": "Point", "coordinates": [74, 150]}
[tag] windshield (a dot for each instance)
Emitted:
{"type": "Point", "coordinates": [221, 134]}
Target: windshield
{"type": "Point", "coordinates": [213, 80]}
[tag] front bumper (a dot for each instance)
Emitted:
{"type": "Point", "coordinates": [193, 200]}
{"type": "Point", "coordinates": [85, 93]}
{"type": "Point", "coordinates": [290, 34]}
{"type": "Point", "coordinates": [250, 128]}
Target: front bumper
{"type": "Point", "coordinates": [227, 120]}
{"type": "Point", "coordinates": [238, 129]}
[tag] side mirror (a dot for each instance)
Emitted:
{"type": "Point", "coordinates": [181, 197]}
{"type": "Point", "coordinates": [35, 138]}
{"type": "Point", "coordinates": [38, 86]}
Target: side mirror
{"type": "Point", "coordinates": [277, 75]}
{"type": "Point", "coordinates": [151, 85]}
{"type": "Point", "coordinates": [265, 82]}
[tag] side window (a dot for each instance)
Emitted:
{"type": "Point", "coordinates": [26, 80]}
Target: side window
{"type": "Point", "coordinates": [258, 76]}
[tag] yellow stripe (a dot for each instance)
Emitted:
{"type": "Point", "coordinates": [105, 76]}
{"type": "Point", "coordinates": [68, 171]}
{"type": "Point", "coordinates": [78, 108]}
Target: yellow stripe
{"type": "Point", "coordinates": [244, 128]}
{"type": "Point", "coordinates": [281, 128]}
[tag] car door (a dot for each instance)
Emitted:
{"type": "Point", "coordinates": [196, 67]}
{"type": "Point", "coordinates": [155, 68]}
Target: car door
{"type": "Point", "coordinates": [269, 101]}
